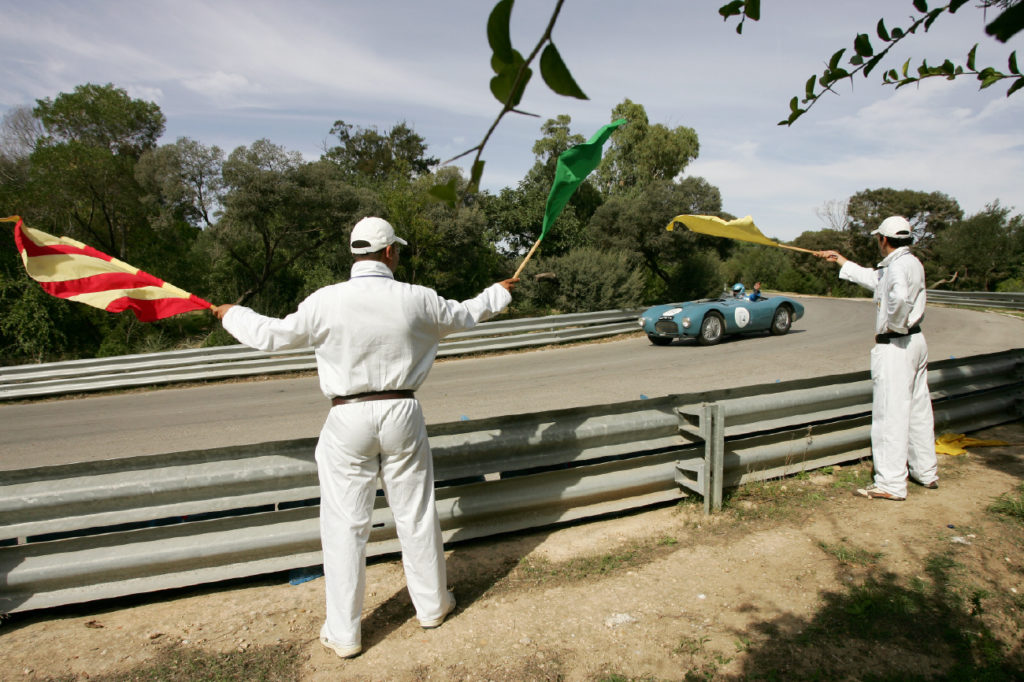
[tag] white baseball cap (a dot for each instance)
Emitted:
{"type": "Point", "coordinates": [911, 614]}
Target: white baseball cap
{"type": "Point", "coordinates": [895, 226]}
{"type": "Point", "coordinates": [372, 234]}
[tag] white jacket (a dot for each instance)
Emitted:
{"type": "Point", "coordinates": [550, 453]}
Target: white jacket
{"type": "Point", "coordinates": [899, 288]}
{"type": "Point", "coordinates": [370, 333]}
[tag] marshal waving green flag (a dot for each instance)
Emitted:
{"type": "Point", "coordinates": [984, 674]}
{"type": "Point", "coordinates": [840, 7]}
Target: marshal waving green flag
{"type": "Point", "coordinates": [572, 168]}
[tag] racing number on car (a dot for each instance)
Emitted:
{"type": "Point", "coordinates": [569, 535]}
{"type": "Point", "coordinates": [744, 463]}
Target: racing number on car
{"type": "Point", "coordinates": [742, 317]}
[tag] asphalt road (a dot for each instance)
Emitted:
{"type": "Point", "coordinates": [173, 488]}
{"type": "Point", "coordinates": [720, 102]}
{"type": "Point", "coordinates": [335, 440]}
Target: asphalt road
{"type": "Point", "coordinates": [834, 337]}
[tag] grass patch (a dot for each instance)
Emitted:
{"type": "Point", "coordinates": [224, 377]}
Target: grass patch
{"type": "Point", "coordinates": [278, 663]}
{"type": "Point", "coordinates": [1010, 505]}
{"type": "Point", "coordinates": [538, 570]}
{"type": "Point", "coordinates": [850, 556]}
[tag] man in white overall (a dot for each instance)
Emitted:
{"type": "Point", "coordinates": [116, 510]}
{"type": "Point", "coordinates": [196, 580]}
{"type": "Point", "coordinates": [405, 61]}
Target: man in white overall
{"type": "Point", "coordinates": [902, 426]}
{"type": "Point", "coordinates": [375, 341]}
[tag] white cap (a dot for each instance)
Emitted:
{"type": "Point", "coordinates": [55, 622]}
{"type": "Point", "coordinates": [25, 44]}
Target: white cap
{"type": "Point", "coordinates": [896, 227]}
{"type": "Point", "coordinates": [372, 234]}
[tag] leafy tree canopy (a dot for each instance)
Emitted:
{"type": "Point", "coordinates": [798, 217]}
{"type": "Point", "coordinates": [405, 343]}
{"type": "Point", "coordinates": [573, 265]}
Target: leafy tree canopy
{"type": "Point", "coordinates": [102, 116]}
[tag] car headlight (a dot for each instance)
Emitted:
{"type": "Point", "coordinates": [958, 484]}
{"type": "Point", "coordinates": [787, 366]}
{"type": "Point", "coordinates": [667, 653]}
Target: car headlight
{"type": "Point", "coordinates": [685, 322]}
{"type": "Point", "coordinates": [640, 321]}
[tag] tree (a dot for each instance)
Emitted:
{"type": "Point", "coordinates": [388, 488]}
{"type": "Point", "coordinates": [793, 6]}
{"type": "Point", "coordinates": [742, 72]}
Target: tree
{"type": "Point", "coordinates": [679, 264]}
{"type": "Point", "coordinates": [640, 153]}
{"type": "Point", "coordinates": [184, 179]}
{"type": "Point", "coordinates": [980, 249]}
{"type": "Point", "coordinates": [929, 214]}
{"type": "Point", "coordinates": [82, 172]}
{"type": "Point", "coordinates": [517, 214]}
{"type": "Point", "coordinates": [279, 214]}
{"type": "Point", "coordinates": [102, 116]}
{"type": "Point", "coordinates": [370, 156]}
{"type": "Point", "coordinates": [450, 248]}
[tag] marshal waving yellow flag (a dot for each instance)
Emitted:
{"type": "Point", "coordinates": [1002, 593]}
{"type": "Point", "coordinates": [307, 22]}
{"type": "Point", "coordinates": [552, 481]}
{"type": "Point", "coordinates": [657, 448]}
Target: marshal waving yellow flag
{"type": "Point", "coordinates": [741, 229]}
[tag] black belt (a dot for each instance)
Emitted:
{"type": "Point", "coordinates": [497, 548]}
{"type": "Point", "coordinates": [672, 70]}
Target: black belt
{"type": "Point", "coordinates": [889, 336]}
{"type": "Point", "coordinates": [371, 395]}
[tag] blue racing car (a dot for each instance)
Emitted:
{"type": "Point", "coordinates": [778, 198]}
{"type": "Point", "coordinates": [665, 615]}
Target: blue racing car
{"type": "Point", "coordinates": [710, 319]}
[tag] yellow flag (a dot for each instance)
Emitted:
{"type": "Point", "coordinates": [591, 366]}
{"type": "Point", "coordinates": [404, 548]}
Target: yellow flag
{"type": "Point", "coordinates": [741, 229]}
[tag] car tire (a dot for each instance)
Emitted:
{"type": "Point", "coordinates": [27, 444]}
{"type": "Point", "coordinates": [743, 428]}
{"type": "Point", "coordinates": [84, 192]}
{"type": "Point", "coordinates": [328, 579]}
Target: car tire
{"type": "Point", "coordinates": [782, 320]}
{"type": "Point", "coordinates": [660, 340]}
{"type": "Point", "coordinates": [712, 329]}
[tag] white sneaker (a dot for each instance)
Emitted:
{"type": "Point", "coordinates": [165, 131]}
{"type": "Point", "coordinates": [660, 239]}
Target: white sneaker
{"type": "Point", "coordinates": [350, 651]}
{"type": "Point", "coordinates": [434, 622]}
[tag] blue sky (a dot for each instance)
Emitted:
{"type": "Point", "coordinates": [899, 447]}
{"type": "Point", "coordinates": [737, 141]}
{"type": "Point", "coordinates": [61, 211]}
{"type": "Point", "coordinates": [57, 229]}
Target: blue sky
{"type": "Point", "coordinates": [228, 73]}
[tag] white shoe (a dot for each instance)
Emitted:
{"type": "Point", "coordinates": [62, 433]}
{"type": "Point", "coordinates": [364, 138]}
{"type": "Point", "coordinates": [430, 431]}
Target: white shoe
{"type": "Point", "coordinates": [434, 622]}
{"type": "Point", "coordinates": [350, 651]}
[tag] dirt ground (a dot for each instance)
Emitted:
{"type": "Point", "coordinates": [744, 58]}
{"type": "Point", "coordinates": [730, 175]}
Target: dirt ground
{"type": "Point", "coordinates": [794, 579]}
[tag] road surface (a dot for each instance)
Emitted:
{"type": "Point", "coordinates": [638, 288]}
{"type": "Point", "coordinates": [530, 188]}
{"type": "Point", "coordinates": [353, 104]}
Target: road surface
{"type": "Point", "coordinates": [833, 337]}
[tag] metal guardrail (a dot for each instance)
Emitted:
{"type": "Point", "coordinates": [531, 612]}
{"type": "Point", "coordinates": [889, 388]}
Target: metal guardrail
{"type": "Point", "coordinates": [127, 371]}
{"type": "Point", "coordinates": [80, 532]}
{"type": "Point", "coordinates": [1012, 300]}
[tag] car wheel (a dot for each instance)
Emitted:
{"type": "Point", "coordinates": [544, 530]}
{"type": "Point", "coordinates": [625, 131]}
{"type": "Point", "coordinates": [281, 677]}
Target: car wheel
{"type": "Point", "coordinates": [711, 330]}
{"type": "Point", "coordinates": [660, 340]}
{"type": "Point", "coordinates": [782, 320]}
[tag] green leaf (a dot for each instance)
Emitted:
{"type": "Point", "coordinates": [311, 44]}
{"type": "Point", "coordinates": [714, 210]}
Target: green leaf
{"type": "Point", "coordinates": [501, 84]}
{"type": "Point", "coordinates": [856, 60]}
{"type": "Point", "coordinates": [862, 44]}
{"type": "Point", "coordinates": [731, 9]}
{"type": "Point", "coordinates": [753, 10]}
{"type": "Point", "coordinates": [498, 31]}
{"type": "Point", "coordinates": [991, 79]}
{"type": "Point", "coordinates": [906, 67]}
{"type": "Point", "coordinates": [834, 61]}
{"type": "Point", "coordinates": [445, 193]}
{"type": "Point", "coordinates": [1007, 24]}
{"type": "Point", "coordinates": [1015, 87]}
{"type": "Point", "coordinates": [897, 33]}
{"type": "Point", "coordinates": [921, 6]}
{"type": "Point", "coordinates": [882, 33]}
{"type": "Point", "coordinates": [871, 65]}
{"type": "Point", "coordinates": [970, 57]}
{"type": "Point", "coordinates": [954, 5]}
{"type": "Point", "coordinates": [809, 86]}
{"type": "Point", "coordinates": [555, 73]}
{"type": "Point", "coordinates": [1013, 63]}
{"type": "Point", "coordinates": [932, 16]}
{"type": "Point", "coordinates": [474, 178]}
{"type": "Point", "coordinates": [794, 104]}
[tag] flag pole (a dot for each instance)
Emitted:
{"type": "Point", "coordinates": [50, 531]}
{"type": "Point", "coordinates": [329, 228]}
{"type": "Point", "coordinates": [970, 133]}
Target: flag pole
{"type": "Point", "coordinates": [794, 248]}
{"type": "Point", "coordinates": [523, 264]}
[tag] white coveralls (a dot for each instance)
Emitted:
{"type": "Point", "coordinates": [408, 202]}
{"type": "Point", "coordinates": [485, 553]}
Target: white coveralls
{"type": "Point", "coordinates": [372, 334]}
{"type": "Point", "coordinates": [902, 427]}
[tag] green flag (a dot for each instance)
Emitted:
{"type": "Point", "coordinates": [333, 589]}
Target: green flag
{"type": "Point", "coordinates": [573, 166]}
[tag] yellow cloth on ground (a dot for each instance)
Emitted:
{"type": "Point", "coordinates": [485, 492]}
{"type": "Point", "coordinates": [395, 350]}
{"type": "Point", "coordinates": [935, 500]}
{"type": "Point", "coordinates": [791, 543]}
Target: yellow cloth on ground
{"type": "Point", "coordinates": [954, 443]}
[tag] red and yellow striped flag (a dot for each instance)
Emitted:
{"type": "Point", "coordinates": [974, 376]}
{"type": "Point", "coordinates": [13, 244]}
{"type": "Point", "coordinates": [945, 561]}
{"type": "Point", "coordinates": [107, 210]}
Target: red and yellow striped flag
{"type": "Point", "coordinates": [69, 269]}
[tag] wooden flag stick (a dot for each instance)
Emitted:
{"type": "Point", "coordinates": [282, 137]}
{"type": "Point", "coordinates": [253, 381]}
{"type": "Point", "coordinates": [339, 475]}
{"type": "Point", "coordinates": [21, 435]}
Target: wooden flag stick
{"type": "Point", "coordinates": [794, 248]}
{"type": "Point", "coordinates": [525, 260]}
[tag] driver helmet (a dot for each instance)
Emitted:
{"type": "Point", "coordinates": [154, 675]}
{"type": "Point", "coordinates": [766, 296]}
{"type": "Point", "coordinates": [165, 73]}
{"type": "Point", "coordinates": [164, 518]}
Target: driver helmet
{"type": "Point", "coordinates": [737, 290]}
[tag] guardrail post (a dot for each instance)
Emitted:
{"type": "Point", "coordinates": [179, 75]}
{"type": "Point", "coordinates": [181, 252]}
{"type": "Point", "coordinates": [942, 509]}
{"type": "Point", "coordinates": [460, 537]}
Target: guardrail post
{"type": "Point", "coordinates": [706, 422]}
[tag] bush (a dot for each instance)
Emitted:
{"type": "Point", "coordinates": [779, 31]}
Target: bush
{"type": "Point", "coordinates": [583, 280]}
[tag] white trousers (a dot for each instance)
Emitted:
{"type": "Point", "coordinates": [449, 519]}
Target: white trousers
{"type": "Point", "coordinates": [902, 426]}
{"type": "Point", "coordinates": [357, 442]}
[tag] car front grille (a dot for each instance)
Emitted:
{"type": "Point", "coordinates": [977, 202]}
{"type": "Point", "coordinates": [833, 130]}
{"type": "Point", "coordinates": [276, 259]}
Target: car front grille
{"type": "Point", "coordinates": [666, 327]}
